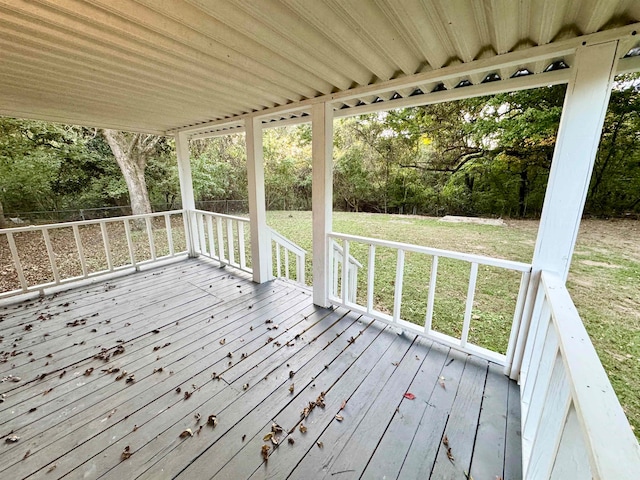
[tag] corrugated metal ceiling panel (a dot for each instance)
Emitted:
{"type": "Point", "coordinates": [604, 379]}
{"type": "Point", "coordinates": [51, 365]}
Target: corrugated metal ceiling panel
{"type": "Point", "coordinates": [158, 65]}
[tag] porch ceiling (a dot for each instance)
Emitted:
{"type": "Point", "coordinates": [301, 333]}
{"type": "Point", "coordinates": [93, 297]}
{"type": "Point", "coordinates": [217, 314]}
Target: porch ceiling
{"type": "Point", "coordinates": [158, 66]}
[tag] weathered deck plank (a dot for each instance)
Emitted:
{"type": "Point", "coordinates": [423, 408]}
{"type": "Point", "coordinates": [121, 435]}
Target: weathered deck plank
{"type": "Point", "coordinates": [187, 318]}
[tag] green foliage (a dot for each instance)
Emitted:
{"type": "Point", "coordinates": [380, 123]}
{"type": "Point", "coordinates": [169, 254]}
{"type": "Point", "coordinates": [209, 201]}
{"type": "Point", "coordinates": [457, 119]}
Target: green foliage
{"type": "Point", "coordinates": [485, 156]}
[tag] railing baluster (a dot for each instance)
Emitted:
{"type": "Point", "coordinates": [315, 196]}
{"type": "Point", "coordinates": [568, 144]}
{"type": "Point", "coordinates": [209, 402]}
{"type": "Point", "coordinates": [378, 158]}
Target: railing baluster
{"type": "Point", "coordinates": [52, 255]}
{"type": "Point", "coordinates": [127, 232]}
{"type": "Point", "coordinates": [212, 240]}
{"type": "Point", "coordinates": [397, 295]}
{"type": "Point", "coordinates": [336, 268]}
{"type": "Point", "coordinates": [16, 261]}
{"type": "Point", "coordinates": [345, 272]}
{"type": "Point", "coordinates": [230, 243]}
{"type": "Point", "coordinates": [152, 243]}
{"type": "Point", "coordinates": [301, 267]}
{"type": "Point", "coordinates": [469, 308]}
{"type": "Point", "coordinates": [188, 235]}
{"type": "Point", "coordinates": [202, 242]}
{"type": "Point", "coordinates": [517, 319]}
{"type": "Point", "coordinates": [428, 321]}
{"type": "Point", "coordinates": [220, 241]}
{"type": "Point", "coordinates": [353, 277]}
{"type": "Point", "coordinates": [167, 226]}
{"type": "Point", "coordinates": [278, 266]}
{"type": "Point", "coordinates": [286, 264]}
{"type": "Point", "coordinates": [371, 277]}
{"type": "Point", "coordinates": [107, 248]}
{"type": "Point", "coordinates": [83, 261]}
{"type": "Point", "coordinates": [241, 248]}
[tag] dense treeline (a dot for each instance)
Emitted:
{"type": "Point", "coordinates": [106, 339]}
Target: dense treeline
{"type": "Point", "coordinates": [482, 156]}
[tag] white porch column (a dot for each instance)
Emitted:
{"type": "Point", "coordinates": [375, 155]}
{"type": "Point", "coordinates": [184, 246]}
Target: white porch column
{"type": "Point", "coordinates": [579, 134]}
{"type": "Point", "coordinates": [186, 187]}
{"type": "Point", "coordinates": [585, 106]}
{"type": "Point", "coordinates": [322, 198]}
{"type": "Point", "coordinates": [260, 239]}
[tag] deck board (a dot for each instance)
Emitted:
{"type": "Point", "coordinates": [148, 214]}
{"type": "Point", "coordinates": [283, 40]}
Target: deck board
{"type": "Point", "coordinates": [195, 319]}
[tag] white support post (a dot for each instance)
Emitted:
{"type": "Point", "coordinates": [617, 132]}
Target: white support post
{"type": "Point", "coordinates": [322, 199]}
{"type": "Point", "coordinates": [186, 189]}
{"type": "Point", "coordinates": [583, 113]}
{"type": "Point", "coordinates": [260, 243]}
{"type": "Point", "coordinates": [578, 138]}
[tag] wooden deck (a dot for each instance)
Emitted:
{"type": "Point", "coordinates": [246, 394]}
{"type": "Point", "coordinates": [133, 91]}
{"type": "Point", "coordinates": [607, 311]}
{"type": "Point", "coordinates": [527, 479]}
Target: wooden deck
{"type": "Point", "coordinates": [199, 340]}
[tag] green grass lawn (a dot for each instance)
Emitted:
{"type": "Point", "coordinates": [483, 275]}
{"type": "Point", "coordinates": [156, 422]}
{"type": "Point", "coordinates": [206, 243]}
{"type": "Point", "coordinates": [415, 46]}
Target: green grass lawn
{"type": "Point", "coordinates": [603, 281]}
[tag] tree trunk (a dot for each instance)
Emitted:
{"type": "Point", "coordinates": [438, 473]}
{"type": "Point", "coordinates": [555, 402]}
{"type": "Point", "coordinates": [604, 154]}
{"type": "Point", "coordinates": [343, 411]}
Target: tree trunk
{"type": "Point", "coordinates": [3, 221]}
{"type": "Point", "coordinates": [131, 157]}
{"type": "Point", "coordinates": [523, 191]}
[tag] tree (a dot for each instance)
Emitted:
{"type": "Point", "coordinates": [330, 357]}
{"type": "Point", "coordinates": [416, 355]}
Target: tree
{"type": "Point", "coordinates": [132, 151]}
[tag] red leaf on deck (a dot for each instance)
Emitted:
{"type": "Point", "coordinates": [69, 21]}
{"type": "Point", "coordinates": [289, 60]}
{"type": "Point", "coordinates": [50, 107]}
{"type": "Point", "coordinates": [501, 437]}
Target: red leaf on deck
{"type": "Point", "coordinates": [410, 396]}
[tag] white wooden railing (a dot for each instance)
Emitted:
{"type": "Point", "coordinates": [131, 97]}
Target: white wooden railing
{"type": "Point", "coordinates": [105, 238]}
{"type": "Point", "coordinates": [572, 423]}
{"type": "Point", "coordinates": [284, 248]}
{"type": "Point", "coordinates": [224, 238]}
{"type": "Point", "coordinates": [221, 237]}
{"type": "Point", "coordinates": [344, 297]}
{"type": "Point", "coordinates": [353, 265]}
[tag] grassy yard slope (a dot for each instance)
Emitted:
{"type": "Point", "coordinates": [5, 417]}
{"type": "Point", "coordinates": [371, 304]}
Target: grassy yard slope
{"type": "Point", "coordinates": [604, 280]}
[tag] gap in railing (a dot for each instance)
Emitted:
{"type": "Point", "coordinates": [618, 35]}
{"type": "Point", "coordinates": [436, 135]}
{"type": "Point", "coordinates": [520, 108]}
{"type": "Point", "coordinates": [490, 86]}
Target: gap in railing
{"type": "Point", "coordinates": [416, 283]}
{"type": "Point", "coordinates": [496, 295]}
{"type": "Point", "coordinates": [66, 254]}
{"type": "Point", "coordinates": [450, 296]}
{"type": "Point", "coordinates": [383, 279]}
{"type": "Point", "coordinates": [34, 259]}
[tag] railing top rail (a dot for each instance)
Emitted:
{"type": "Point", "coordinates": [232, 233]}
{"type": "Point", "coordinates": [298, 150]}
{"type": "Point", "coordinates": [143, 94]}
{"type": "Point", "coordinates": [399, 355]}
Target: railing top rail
{"type": "Point", "coordinates": [285, 242]}
{"type": "Point", "coordinates": [608, 436]}
{"type": "Point", "coordinates": [222, 215]}
{"type": "Point", "coordinates": [32, 228]}
{"type": "Point", "coordinates": [469, 257]}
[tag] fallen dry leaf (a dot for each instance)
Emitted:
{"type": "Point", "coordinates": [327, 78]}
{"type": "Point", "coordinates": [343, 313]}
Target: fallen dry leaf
{"type": "Point", "coordinates": [245, 386]}
{"type": "Point", "coordinates": [187, 395]}
{"type": "Point", "coordinates": [197, 416]}
{"type": "Point", "coordinates": [267, 437]}
{"type": "Point", "coordinates": [26, 454]}
{"type": "Point", "coordinates": [186, 433]}
{"type": "Point", "coordinates": [52, 468]}
{"type": "Point", "coordinates": [223, 341]}
{"type": "Point", "coordinates": [126, 453]}
{"type": "Point", "coordinates": [445, 441]}
{"type": "Point", "coordinates": [291, 388]}
{"type": "Point", "coordinates": [339, 418]}
{"type": "Point", "coordinates": [409, 396]}
{"type": "Point", "coordinates": [265, 452]}
{"type": "Point", "coordinates": [88, 371]}
{"type": "Point", "coordinates": [12, 439]}
{"type": "Point", "coordinates": [303, 429]}
{"type": "Point", "coordinates": [441, 382]}
{"type": "Point", "coordinates": [344, 404]}
{"type": "Point", "coordinates": [212, 420]}
{"type": "Point", "coordinates": [122, 374]}
{"type": "Point", "coordinates": [275, 428]}
{"type": "Point", "coordinates": [450, 455]}
{"type": "Point", "coordinates": [320, 444]}
{"type": "Point", "coordinates": [291, 441]}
